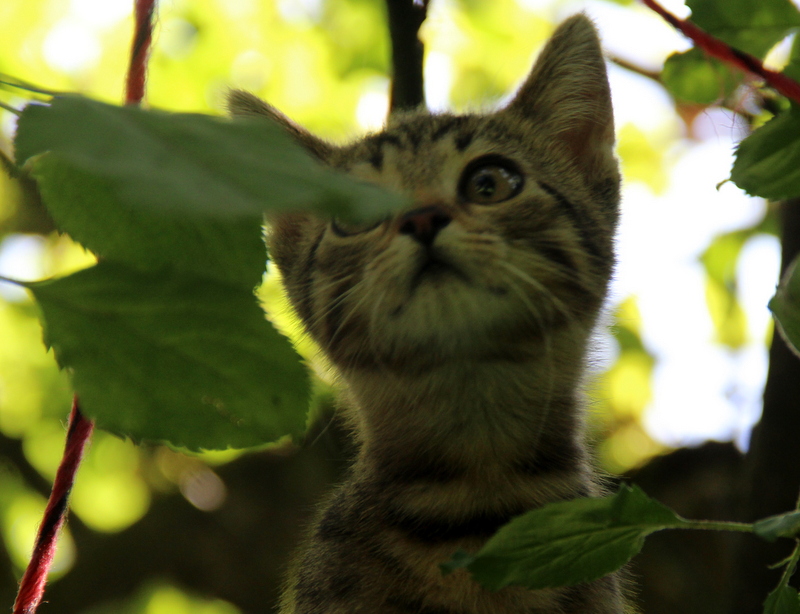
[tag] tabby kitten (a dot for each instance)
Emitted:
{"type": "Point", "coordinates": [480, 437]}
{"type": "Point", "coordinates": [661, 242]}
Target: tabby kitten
{"type": "Point", "coordinates": [459, 328]}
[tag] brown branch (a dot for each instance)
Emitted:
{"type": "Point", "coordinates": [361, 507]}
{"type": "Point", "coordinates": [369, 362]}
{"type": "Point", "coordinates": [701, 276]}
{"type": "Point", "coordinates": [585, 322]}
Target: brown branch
{"type": "Point", "coordinates": [405, 19]}
{"type": "Point", "coordinates": [686, 110]}
{"type": "Point", "coordinates": [653, 75]}
{"type": "Point", "coordinates": [772, 472]}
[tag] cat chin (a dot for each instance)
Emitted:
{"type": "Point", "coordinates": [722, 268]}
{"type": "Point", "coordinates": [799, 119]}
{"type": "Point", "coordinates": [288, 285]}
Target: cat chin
{"type": "Point", "coordinates": [408, 344]}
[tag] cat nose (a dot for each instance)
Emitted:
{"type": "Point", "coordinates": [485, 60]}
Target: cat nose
{"type": "Point", "coordinates": [424, 224]}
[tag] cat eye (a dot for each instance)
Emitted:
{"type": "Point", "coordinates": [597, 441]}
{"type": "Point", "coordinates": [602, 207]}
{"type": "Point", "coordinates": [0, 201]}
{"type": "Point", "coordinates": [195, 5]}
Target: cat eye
{"type": "Point", "coordinates": [489, 180]}
{"type": "Point", "coordinates": [343, 228]}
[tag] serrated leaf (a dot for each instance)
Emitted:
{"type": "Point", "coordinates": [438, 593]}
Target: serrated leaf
{"type": "Point", "coordinates": [783, 600]}
{"type": "Point", "coordinates": [768, 161]}
{"type": "Point", "coordinates": [753, 26]}
{"type": "Point", "coordinates": [694, 77]}
{"type": "Point", "coordinates": [568, 542]}
{"type": "Point", "coordinates": [190, 163]}
{"type": "Point", "coordinates": [165, 357]}
{"type": "Point", "coordinates": [780, 525]}
{"type": "Point", "coordinates": [785, 306]}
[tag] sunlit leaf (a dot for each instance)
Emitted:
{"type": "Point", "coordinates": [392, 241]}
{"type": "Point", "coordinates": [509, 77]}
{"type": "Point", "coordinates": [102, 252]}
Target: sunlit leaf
{"type": "Point", "coordinates": [168, 357]}
{"type": "Point", "coordinates": [781, 525]}
{"type": "Point", "coordinates": [753, 26]}
{"type": "Point", "coordinates": [694, 77]}
{"type": "Point", "coordinates": [642, 160]}
{"type": "Point", "coordinates": [785, 306]}
{"type": "Point", "coordinates": [768, 161]}
{"type": "Point", "coordinates": [568, 542]}
{"type": "Point", "coordinates": [727, 314]}
{"type": "Point", "coordinates": [721, 257]}
{"type": "Point", "coordinates": [783, 600]}
{"type": "Point", "coordinates": [628, 383]}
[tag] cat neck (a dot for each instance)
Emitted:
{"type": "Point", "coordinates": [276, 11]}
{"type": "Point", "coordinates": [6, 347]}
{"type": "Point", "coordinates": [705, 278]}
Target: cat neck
{"type": "Point", "coordinates": [480, 416]}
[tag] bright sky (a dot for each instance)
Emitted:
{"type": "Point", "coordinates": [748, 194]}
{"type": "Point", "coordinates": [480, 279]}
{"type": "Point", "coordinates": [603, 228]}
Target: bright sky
{"type": "Point", "coordinates": [701, 390]}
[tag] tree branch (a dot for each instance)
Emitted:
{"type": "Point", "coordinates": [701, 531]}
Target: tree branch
{"type": "Point", "coordinates": [723, 51]}
{"type": "Point", "coordinates": [772, 473]}
{"type": "Point", "coordinates": [405, 19]}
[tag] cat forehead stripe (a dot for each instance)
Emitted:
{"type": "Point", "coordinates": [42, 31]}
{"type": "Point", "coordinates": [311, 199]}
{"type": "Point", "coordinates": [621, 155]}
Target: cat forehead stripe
{"type": "Point", "coordinates": [411, 135]}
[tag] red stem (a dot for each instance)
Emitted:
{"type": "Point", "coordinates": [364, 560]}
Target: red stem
{"type": "Point", "coordinates": [32, 585]}
{"type": "Point", "coordinates": [137, 69]}
{"type": "Point", "coordinates": [33, 582]}
{"type": "Point", "coordinates": [722, 51]}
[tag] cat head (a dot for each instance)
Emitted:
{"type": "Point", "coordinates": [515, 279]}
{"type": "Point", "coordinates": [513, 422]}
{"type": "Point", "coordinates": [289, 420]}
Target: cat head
{"type": "Point", "coordinates": [508, 241]}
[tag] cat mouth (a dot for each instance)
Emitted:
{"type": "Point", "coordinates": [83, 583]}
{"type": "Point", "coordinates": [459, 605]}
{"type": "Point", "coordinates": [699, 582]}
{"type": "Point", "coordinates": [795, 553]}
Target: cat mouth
{"type": "Point", "coordinates": [433, 267]}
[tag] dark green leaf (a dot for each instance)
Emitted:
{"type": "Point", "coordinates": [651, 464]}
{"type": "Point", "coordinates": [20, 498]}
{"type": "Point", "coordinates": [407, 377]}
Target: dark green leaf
{"type": "Point", "coordinates": [785, 306]}
{"type": "Point", "coordinates": [781, 525]}
{"type": "Point", "coordinates": [753, 26]}
{"type": "Point", "coordinates": [568, 542]}
{"type": "Point", "coordinates": [768, 161]}
{"type": "Point", "coordinates": [695, 77]}
{"type": "Point", "coordinates": [190, 163]}
{"type": "Point", "coordinates": [83, 205]}
{"type": "Point", "coordinates": [167, 357]}
{"type": "Point", "coordinates": [783, 600]}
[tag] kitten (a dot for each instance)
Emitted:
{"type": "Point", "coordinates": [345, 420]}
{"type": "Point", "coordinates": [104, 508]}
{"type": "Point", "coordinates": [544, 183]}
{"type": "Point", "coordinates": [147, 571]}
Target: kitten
{"type": "Point", "coordinates": [459, 328]}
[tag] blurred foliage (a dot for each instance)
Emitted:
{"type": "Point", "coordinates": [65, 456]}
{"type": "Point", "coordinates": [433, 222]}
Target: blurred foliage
{"type": "Point", "coordinates": [166, 599]}
{"type": "Point", "coordinates": [693, 77]}
{"type": "Point", "coordinates": [720, 261]}
{"type": "Point", "coordinates": [622, 394]}
{"type": "Point", "coordinates": [642, 157]}
{"type": "Point", "coordinates": [323, 62]}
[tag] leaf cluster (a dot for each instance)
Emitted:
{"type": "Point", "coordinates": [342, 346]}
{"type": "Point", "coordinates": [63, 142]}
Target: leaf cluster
{"type": "Point", "coordinates": [163, 338]}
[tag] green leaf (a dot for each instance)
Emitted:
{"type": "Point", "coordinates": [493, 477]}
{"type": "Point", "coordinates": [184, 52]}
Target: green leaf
{"type": "Point", "coordinates": [568, 542]}
{"type": "Point", "coordinates": [165, 357]}
{"type": "Point", "coordinates": [753, 26]}
{"type": "Point", "coordinates": [84, 206]}
{"type": "Point", "coordinates": [781, 525]}
{"type": "Point", "coordinates": [783, 600]}
{"type": "Point", "coordinates": [695, 77]}
{"type": "Point", "coordinates": [190, 163]}
{"type": "Point", "coordinates": [785, 306]}
{"type": "Point", "coordinates": [768, 161]}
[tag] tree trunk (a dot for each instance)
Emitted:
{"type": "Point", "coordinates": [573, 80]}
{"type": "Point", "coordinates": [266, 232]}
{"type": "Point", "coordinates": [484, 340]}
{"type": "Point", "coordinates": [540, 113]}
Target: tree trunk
{"type": "Point", "coordinates": [772, 465]}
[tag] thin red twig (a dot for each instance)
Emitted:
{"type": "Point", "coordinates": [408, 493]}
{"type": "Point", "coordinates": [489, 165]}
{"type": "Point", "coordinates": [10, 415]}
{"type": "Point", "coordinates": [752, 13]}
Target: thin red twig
{"type": "Point", "coordinates": [140, 49]}
{"type": "Point", "coordinates": [33, 582]}
{"type": "Point", "coordinates": [79, 434]}
{"type": "Point", "coordinates": [722, 51]}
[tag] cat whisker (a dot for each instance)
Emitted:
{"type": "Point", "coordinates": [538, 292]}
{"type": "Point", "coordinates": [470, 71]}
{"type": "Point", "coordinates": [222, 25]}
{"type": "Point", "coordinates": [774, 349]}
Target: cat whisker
{"type": "Point", "coordinates": [352, 311]}
{"type": "Point", "coordinates": [544, 292]}
{"type": "Point", "coordinates": [333, 304]}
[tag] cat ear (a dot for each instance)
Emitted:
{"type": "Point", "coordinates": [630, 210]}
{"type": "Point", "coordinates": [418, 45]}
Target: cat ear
{"type": "Point", "coordinates": [288, 232]}
{"type": "Point", "coordinates": [245, 104]}
{"type": "Point", "coordinates": [567, 94]}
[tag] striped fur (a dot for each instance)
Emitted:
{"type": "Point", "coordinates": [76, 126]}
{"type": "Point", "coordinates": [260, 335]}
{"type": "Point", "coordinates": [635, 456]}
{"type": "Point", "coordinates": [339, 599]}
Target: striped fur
{"type": "Point", "coordinates": [459, 330]}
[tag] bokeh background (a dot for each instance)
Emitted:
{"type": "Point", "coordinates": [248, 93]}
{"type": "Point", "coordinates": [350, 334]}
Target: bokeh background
{"type": "Point", "coordinates": [683, 361]}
